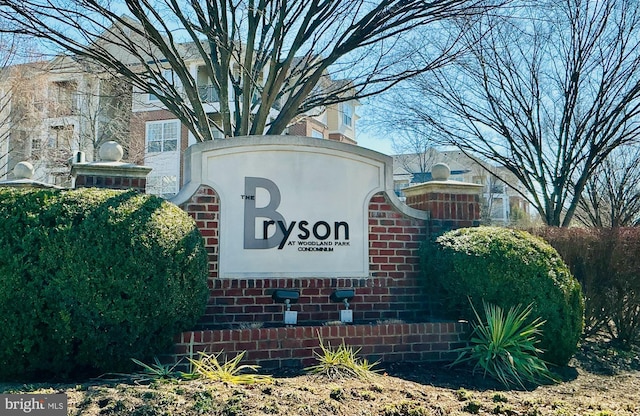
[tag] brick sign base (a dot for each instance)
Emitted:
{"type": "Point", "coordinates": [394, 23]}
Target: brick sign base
{"type": "Point", "coordinates": [329, 185]}
{"type": "Point", "coordinates": [296, 347]}
{"type": "Point", "coordinates": [393, 291]}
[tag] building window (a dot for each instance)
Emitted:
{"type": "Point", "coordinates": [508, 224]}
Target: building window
{"type": "Point", "coordinates": [347, 114]}
{"type": "Point", "coordinates": [206, 90]}
{"type": "Point", "coordinates": [63, 98]}
{"type": "Point", "coordinates": [164, 186]}
{"type": "Point", "coordinates": [36, 146]}
{"type": "Point", "coordinates": [317, 134]}
{"type": "Point", "coordinates": [168, 75]}
{"type": "Point", "coordinates": [162, 136]}
{"type": "Point", "coordinates": [60, 137]}
{"type": "Point", "coordinates": [208, 94]}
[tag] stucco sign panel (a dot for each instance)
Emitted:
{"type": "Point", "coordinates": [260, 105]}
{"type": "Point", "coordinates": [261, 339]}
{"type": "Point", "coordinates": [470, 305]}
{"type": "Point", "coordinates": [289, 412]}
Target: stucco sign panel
{"type": "Point", "coordinates": [291, 207]}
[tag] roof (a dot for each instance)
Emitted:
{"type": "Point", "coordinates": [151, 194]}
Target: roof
{"type": "Point", "coordinates": [415, 163]}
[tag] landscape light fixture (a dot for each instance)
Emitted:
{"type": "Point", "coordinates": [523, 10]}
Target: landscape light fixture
{"type": "Point", "coordinates": [344, 296]}
{"type": "Point", "coordinates": [287, 297]}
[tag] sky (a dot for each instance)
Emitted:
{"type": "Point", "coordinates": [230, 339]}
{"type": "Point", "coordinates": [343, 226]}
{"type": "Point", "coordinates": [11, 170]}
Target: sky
{"type": "Point", "coordinates": [374, 143]}
{"type": "Point", "coordinates": [369, 134]}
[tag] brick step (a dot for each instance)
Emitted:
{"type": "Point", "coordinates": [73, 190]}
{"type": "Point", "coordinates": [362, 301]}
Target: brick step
{"type": "Point", "coordinates": [273, 348]}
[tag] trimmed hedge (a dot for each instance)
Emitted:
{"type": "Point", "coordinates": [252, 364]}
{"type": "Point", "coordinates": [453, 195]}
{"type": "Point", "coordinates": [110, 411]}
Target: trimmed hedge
{"type": "Point", "coordinates": [508, 268]}
{"type": "Point", "coordinates": [606, 261]}
{"type": "Point", "coordinates": [90, 278]}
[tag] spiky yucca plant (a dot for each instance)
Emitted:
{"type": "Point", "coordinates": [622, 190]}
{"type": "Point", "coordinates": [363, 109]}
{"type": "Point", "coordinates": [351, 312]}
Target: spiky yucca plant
{"type": "Point", "coordinates": [504, 346]}
{"type": "Point", "coordinates": [158, 370]}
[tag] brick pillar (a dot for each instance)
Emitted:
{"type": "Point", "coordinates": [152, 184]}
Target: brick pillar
{"type": "Point", "coordinates": [452, 204]}
{"type": "Point", "coordinates": [110, 172]}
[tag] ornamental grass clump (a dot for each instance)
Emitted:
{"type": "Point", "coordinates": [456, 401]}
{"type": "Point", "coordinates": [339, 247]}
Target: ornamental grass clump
{"type": "Point", "coordinates": [504, 347]}
{"type": "Point", "coordinates": [342, 362]}
{"type": "Point", "coordinates": [210, 367]}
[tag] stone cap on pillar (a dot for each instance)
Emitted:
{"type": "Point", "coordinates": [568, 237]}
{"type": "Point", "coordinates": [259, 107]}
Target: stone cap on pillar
{"type": "Point", "coordinates": [23, 172]}
{"type": "Point", "coordinates": [442, 184]}
{"type": "Point", "coordinates": [110, 164]}
{"type": "Point", "coordinates": [110, 172]}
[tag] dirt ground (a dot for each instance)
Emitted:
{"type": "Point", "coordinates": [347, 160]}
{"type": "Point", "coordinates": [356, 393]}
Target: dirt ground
{"type": "Point", "coordinates": [600, 381]}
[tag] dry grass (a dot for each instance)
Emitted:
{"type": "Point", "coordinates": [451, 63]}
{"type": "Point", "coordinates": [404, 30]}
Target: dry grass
{"type": "Point", "coordinates": [599, 382]}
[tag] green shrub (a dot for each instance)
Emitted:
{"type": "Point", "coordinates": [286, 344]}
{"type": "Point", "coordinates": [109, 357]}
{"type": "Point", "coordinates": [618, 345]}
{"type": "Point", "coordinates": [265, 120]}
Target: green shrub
{"type": "Point", "coordinates": [507, 268]}
{"type": "Point", "coordinates": [91, 278]}
{"type": "Point", "coordinates": [606, 262]}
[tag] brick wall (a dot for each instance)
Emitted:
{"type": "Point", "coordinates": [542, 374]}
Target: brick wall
{"type": "Point", "coordinates": [448, 211]}
{"type": "Point", "coordinates": [391, 307]}
{"type": "Point", "coordinates": [110, 182]}
{"type": "Point", "coordinates": [298, 129]}
{"type": "Point", "coordinates": [393, 290]}
{"type": "Point", "coordinates": [204, 208]}
{"type": "Point", "coordinates": [295, 347]}
{"type": "Point", "coordinates": [306, 126]}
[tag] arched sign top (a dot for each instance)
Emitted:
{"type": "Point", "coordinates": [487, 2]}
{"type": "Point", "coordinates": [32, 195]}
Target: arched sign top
{"type": "Point", "coordinates": [291, 206]}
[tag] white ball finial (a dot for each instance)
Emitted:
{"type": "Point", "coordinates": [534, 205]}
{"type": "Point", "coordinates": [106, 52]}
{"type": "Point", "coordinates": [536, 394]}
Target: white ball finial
{"type": "Point", "coordinates": [440, 172]}
{"type": "Point", "coordinates": [110, 152]}
{"type": "Point", "coordinates": [23, 170]}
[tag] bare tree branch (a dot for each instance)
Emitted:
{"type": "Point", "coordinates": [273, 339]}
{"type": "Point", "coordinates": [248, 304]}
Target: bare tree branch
{"type": "Point", "coordinates": [255, 53]}
{"type": "Point", "coordinates": [611, 197]}
{"type": "Point", "coordinates": [548, 92]}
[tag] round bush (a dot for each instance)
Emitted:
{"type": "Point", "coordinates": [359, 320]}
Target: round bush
{"type": "Point", "coordinates": [508, 268]}
{"type": "Point", "coordinates": [91, 278]}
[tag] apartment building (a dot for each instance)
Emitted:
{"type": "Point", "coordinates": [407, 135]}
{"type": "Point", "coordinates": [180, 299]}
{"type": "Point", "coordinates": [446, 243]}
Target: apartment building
{"type": "Point", "coordinates": [336, 122]}
{"type": "Point", "coordinates": [58, 108]}
{"type": "Point", "coordinates": [54, 109]}
{"type": "Point", "coordinates": [164, 138]}
{"type": "Point", "coordinates": [501, 200]}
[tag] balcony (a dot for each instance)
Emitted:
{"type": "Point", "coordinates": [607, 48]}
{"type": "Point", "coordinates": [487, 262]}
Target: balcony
{"type": "Point", "coordinates": [208, 94]}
